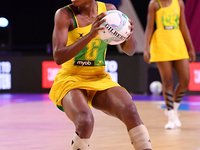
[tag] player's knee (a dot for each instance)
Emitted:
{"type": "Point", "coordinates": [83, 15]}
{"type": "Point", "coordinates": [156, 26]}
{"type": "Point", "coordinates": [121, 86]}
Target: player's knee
{"type": "Point", "coordinates": [85, 120]}
{"type": "Point", "coordinates": [130, 109]}
{"type": "Point", "coordinates": [184, 83]}
{"type": "Point", "coordinates": [130, 112]}
{"type": "Point", "coordinates": [167, 83]}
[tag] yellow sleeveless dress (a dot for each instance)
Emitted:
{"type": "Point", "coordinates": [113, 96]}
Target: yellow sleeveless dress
{"type": "Point", "coordinates": [86, 70]}
{"type": "Point", "coordinates": [167, 43]}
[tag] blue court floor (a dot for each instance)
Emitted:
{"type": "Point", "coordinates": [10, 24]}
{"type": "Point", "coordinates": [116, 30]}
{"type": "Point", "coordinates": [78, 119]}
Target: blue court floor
{"type": "Point", "coordinates": [189, 102]}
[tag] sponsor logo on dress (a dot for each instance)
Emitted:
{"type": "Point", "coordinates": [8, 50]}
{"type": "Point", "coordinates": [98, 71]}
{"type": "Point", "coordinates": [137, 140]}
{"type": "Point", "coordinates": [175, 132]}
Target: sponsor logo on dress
{"type": "Point", "coordinates": [84, 63]}
{"type": "Point", "coordinates": [169, 28]}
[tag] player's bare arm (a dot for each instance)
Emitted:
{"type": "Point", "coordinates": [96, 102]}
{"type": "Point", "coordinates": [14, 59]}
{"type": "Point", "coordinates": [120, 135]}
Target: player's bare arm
{"type": "Point", "coordinates": [129, 46]}
{"type": "Point", "coordinates": [63, 21]}
{"type": "Point", "coordinates": [185, 32]}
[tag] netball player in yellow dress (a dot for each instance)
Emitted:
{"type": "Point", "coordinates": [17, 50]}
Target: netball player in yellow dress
{"type": "Point", "coordinates": [166, 47]}
{"type": "Point", "coordinates": [82, 82]}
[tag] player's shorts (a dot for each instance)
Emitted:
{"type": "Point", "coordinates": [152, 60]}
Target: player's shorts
{"type": "Point", "coordinates": [65, 82]}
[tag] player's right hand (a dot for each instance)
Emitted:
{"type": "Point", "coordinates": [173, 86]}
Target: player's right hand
{"type": "Point", "coordinates": [146, 56]}
{"type": "Point", "coordinates": [96, 25]}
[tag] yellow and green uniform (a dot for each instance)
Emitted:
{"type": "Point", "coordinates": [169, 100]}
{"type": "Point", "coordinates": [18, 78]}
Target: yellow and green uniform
{"type": "Point", "coordinates": [87, 69]}
{"type": "Point", "coordinates": [167, 43]}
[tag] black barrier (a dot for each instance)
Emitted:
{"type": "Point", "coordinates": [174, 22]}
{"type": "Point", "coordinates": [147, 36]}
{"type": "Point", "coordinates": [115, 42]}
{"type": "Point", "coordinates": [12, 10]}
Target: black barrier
{"type": "Point", "coordinates": [153, 75]}
{"type": "Point", "coordinates": [26, 73]}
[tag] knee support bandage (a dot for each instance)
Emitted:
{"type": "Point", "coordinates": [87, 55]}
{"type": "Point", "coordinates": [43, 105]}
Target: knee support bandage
{"type": "Point", "coordinates": [140, 138]}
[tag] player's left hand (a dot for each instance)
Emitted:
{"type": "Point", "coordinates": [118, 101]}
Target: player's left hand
{"type": "Point", "coordinates": [192, 55]}
{"type": "Point", "coordinates": [131, 27]}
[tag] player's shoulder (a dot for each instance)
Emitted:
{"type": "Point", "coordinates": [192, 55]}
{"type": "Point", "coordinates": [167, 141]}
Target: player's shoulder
{"type": "Point", "coordinates": [153, 2]}
{"type": "Point", "coordinates": [154, 5]}
{"type": "Point", "coordinates": [110, 6]}
{"type": "Point", "coordinates": [65, 12]}
{"type": "Point", "coordinates": [181, 3]}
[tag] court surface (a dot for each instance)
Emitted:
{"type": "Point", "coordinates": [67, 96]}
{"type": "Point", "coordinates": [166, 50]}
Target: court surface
{"type": "Point", "coordinates": [32, 121]}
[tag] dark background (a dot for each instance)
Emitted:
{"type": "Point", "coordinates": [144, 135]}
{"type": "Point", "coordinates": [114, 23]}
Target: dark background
{"type": "Point", "coordinates": [32, 22]}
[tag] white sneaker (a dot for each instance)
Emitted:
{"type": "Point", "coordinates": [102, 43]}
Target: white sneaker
{"type": "Point", "coordinates": [171, 120]}
{"type": "Point", "coordinates": [166, 112]}
{"type": "Point", "coordinates": [177, 121]}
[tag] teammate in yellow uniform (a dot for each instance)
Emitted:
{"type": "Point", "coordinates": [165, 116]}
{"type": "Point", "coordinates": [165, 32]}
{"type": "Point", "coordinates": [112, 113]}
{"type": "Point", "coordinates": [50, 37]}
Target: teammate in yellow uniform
{"type": "Point", "coordinates": [166, 47]}
{"type": "Point", "coordinates": [82, 82]}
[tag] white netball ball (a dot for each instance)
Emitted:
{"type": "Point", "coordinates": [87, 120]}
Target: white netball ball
{"type": "Point", "coordinates": [155, 87]}
{"type": "Point", "coordinates": [116, 27]}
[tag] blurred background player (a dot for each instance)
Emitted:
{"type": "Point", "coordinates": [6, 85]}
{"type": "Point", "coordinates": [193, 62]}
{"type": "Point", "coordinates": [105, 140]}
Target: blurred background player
{"type": "Point", "coordinates": [166, 47]}
{"type": "Point", "coordinates": [78, 86]}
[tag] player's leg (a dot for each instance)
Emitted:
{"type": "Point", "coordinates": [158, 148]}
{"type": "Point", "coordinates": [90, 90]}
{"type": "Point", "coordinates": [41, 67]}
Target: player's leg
{"type": "Point", "coordinates": [165, 70]}
{"type": "Point", "coordinates": [182, 86]}
{"type": "Point", "coordinates": [76, 108]}
{"type": "Point", "coordinates": [117, 102]}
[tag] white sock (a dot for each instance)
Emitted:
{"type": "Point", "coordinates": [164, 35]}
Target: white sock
{"type": "Point", "coordinates": [176, 106]}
